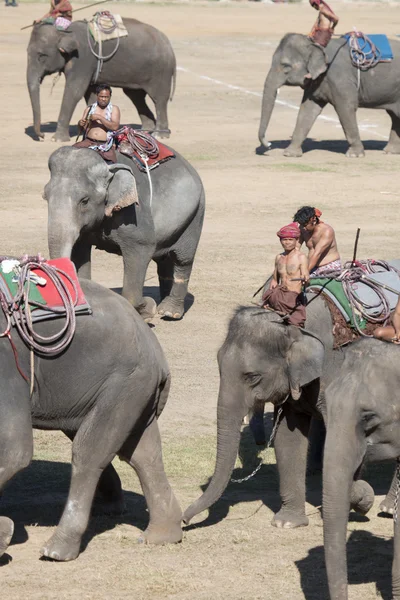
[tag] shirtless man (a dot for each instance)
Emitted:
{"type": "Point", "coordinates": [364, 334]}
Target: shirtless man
{"type": "Point", "coordinates": [99, 121]}
{"type": "Point", "coordinates": [323, 29]}
{"type": "Point", "coordinates": [319, 237]}
{"type": "Point", "coordinates": [391, 333]}
{"type": "Point", "coordinates": [290, 265]}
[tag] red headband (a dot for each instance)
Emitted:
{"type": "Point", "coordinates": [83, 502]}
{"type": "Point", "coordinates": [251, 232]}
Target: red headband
{"type": "Point", "coordinates": [289, 231]}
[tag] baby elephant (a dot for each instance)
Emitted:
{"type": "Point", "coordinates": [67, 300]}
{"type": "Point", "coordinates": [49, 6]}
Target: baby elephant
{"type": "Point", "coordinates": [105, 392]}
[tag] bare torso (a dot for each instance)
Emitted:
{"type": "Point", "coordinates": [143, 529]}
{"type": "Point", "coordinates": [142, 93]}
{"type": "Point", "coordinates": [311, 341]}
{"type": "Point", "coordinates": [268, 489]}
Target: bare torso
{"type": "Point", "coordinates": [96, 130]}
{"type": "Point", "coordinates": [292, 265]}
{"type": "Point", "coordinates": [322, 236]}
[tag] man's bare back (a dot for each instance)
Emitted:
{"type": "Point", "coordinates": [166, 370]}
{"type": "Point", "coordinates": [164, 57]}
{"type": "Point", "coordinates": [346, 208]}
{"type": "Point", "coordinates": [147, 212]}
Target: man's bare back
{"type": "Point", "coordinates": [321, 244]}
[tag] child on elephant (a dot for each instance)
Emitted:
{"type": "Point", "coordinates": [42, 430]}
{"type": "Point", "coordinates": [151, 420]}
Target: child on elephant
{"type": "Point", "coordinates": [290, 274]}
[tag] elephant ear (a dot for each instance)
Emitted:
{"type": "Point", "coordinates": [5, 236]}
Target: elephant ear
{"type": "Point", "coordinates": [317, 61]}
{"type": "Point", "coordinates": [68, 43]}
{"type": "Point", "coordinates": [305, 360]}
{"type": "Point", "coordinates": [122, 191]}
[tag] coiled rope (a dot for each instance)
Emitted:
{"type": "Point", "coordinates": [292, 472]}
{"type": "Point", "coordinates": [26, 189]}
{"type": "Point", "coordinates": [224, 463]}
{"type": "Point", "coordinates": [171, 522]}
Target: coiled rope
{"type": "Point", "coordinates": [19, 308]}
{"type": "Point", "coordinates": [100, 23]}
{"type": "Point", "coordinates": [143, 143]}
{"type": "Point", "coordinates": [351, 275]}
{"type": "Point", "coordinates": [363, 52]}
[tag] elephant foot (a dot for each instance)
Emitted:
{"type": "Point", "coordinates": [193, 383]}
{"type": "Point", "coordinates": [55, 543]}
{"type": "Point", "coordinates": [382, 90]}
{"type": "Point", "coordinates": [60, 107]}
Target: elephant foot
{"type": "Point", "coordinates": [172, 308]}
{"type": "Point", "coordinates": [170, 533]}
{"type": "Point", "coordinates": [6, 533]}
{"type": "Point", "coordinates": [355, 152]}
{"type": "Point", "coordinates": [286, 519]}
{"type": "Point", "coordinates": [164, 133]}
{"type": "Point", "coordinates": [60, 137]}
{"type": "Point", "coordinates": [293, 152]}
{"type": "Point", "coordinates": [148, 309]}
{"type": "Point", "coordinates": [362, 497]}
{"type": "Point", "coordinates": [61, 549]}
{"type": "Point", "coordinates": [392, 149]}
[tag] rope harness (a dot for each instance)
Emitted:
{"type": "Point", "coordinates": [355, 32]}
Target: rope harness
{"type": "Point", "coordinates": [354, 274]}
{"type": "Point", "coordinates": [271, 439]}
{"type": "Point", "coordinates": [396, 497]}
{"type": "Point", "coordinates": [363, 52]}
{"type": "Point", "coordinates": [101, 20]}
{"type": "Point", "coordinates": [18, 311]}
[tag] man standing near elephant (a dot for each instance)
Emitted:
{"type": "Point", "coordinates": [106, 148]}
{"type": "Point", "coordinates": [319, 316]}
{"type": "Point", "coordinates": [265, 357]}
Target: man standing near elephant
{"type": "Point", "coordinates": [99, 121]}
{"type": "Point", "coordinates": [319, 237]}
{"type": "Point", "coordinates": [290, 273]}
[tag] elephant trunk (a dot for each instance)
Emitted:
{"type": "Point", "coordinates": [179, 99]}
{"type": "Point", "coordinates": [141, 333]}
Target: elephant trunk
{"type": "Point", "coordinates": [271, 87]}
{"type": "Point", "coordinates": [342, 457]}
{"type": "Point", "coordinates": [61, 234]}
{"type": "Point", "coordinates": [228, 437]}
{"type": "Point", "coordinates": [34, 93]}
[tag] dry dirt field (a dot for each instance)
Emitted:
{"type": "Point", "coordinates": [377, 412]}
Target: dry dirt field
{"type": "Point", "coordinates": [223, 52]}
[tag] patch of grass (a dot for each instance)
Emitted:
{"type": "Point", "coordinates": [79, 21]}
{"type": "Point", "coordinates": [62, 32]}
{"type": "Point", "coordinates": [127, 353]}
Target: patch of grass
{"type": "Point", "coordinates": [300, 167]}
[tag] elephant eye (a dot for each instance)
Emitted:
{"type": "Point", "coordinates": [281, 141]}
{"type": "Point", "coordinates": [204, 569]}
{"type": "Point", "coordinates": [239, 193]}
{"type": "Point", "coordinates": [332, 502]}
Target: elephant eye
{"type": "Point", "coordinates": [84, 201]}
{"type": "Point", "coordinates": [42, 57]}
{"type": "Point", "coordinates": [252, 379]}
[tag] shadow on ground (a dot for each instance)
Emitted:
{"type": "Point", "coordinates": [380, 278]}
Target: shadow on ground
{"type": "Point", "coordinates": [369, 561]}
{"type": "Point", "coordinates": [37, 496]}
{"type": "Point", "coordinates": [336, 146]}
{"type": "Point", "coordinates": [264, 486]}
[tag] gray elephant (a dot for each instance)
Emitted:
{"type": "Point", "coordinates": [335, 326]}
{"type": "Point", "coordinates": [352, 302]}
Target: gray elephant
{"type": "Point", "coordinates": [143, 64]}
{"type": "Point", "coordinates": [106, 396]}
{"type": "Point", "coordinates": [328, 76]}
{"type": "Point", "coordinates": [93, 203]}
{"type": "Point", "coordinates": [362, 416]}
{"type": "Point", "coordinates": [265, 360]}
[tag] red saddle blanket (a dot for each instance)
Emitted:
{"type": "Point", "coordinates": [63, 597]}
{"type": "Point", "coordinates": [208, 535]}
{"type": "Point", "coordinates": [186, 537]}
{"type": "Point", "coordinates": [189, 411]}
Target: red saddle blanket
{"type": "Point", "coordinates": [43, 297]}
{"type": "Point", "coordinates": [142, 147]}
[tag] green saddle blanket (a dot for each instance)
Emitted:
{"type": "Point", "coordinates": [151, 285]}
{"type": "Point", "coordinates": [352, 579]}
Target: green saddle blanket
{"type": "Point", "coordinates": [334, 290]}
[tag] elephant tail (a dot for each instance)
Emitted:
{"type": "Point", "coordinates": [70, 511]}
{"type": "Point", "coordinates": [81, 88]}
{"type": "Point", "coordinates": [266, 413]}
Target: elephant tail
{"type": "Point", "coordinates": [173, 84]}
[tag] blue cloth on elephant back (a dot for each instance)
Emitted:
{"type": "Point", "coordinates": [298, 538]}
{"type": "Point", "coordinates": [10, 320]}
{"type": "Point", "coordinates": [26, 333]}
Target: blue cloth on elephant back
{"type": "Point", "coordinates": [381, 43]}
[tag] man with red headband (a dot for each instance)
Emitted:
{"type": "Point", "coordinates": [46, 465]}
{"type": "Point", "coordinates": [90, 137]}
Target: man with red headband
{"type": "Point", "coordinates": [323, 29]}
{"type": "Point", "coordinates": [290, 273]}
{"type": "Point", "coordinates": [319, 237]}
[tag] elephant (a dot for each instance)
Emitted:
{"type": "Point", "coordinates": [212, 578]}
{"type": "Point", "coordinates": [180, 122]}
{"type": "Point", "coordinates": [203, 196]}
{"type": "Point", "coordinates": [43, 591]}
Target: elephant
{"type": "Point", "coordinates": [143, 64]}
{"type": "Point", "coordinates": [105, 392]}
{"type": "Point", "coordinates": [92, 202]}
{"type": "Point", "coordinates": [328, 76]}
{"type": "Point", "coordinates": [362, 417]}
{"type": "Point", "coordinates": [263, 359]}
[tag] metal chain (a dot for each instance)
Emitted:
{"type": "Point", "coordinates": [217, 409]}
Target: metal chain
{"type": "Point", "coordinates": [396, 496]}
{"type": "Point", "coordinates": [271, 439]}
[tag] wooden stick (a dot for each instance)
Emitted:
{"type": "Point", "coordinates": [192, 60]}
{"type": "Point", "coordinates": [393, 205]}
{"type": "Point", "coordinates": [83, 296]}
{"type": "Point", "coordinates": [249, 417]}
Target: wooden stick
{"type": "Point", "coordinates": [355, 247]}
{"type": "Point", "coordinates": [74, 11]}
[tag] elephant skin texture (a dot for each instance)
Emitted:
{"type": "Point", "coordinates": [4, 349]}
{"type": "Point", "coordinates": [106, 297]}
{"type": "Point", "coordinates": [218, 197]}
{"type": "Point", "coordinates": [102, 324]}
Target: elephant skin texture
{"type": "Point", "coordinates": [265, 360]}
{"type": "Point", "coordinates": [144, 64]}
{"type": "Point", "coordinates": [328, 76]}
{"type": "Point", "coordinates": [93, 203]}
{"type": "Point", "coordinates": [105, 392]}
{"type": "Point", "coordinates": [362, 425]}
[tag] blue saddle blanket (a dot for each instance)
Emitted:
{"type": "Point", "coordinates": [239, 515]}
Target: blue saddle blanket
{"type": "Point", "coordinates": [380, 40]}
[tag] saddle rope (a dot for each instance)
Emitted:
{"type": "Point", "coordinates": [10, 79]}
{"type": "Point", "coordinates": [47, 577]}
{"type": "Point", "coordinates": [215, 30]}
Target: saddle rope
{"type": "Point", "coordinates": [103, 28]}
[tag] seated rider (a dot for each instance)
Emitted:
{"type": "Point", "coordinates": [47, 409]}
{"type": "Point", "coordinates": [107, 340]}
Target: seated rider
{"type": "Point", "coordinates": [98, 122]}
{"type": "Point", "coordinates": [390, 333]}
{"type": "Point", "coordinates": [291, 272]}
{"type": "Point", "coordinates": [319, 237]}
{"type": "Point", "coordinates": [323, 29]}
{"type": "Point", "coordinates": [58, 8]}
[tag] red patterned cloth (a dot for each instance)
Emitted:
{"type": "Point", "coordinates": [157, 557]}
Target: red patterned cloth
{"type": "Point", "coordinates": [289, 231]}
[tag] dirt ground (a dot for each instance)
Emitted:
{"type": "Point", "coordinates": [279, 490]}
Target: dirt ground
{"type": "Point", "coordinates": [223, 52]}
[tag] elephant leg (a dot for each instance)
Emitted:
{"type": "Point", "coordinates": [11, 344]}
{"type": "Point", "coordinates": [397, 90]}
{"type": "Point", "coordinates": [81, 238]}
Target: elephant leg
{"type": "Point", "coordinates": [308, 113]}
{"type": "Point", "coordinates": [90, 95]}
{"type": "Point", "coordinates": [96, 443]}
{"type": "Point", "coordinates": [135, 268]}
{"type": "Point", "coordinates": [145, 456]}
{"type": "Point", "coordinates": [182, 254]}
{"type": "Point", "coordinates": [161, 104]}
{"type": "Point", "coordinates": [73, 92]}
{"type": "Point", "coordinates": [81, 257]}
{"type": "Point", "coordinates": [291, 443]}
{"type": "Point", "coordinates": [138, 98]}
{"type": "Point", "coordinates": [316, 446]}
{"type": "Point", "coordinates": [387, 505]}
{"type": "Point", "coordinates": [165, 270]}
{"type": "Point", "coordinates": [347, 113]}
{"type": "Point", "coordinates": [109, 487]}
{"type": "Point", "coordinates": [361, 497]}
{"type": "Point", "coordinates": [16, 439]}
{"type": "Point", "coordinates": [393, 145]}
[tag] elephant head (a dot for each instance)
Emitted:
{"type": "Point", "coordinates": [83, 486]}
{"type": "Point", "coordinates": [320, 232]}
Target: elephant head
{"type": "Point", "coordinates": [48, 52]}
{"type": "Point", "coordinates": [362, 418]}
{"type": "Point", "coordinates": [296, 62]}
{"type": "Point", "coordinates": [261, 360]}
{"type": "Point", "coordinates": [83, 190]}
